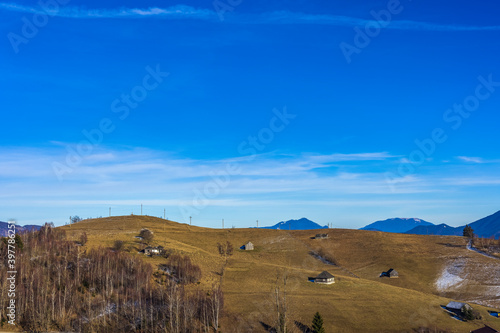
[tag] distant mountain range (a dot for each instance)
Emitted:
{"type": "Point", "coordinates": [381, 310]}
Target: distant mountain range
{"type": "Point", "coordinates": [399, 225]}
{"type": "Point", "coordinates": [486, 227]}
{"type": "Point", "coordinates": [301, 224]}
{"type": "Point", "coordinates": [4, 227]}
{"type": "Point", "coordinates": [440, 229]}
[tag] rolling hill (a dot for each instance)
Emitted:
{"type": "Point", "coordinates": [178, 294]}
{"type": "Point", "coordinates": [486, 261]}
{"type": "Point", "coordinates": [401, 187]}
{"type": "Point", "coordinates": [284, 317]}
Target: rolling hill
{"type": "Point", "coordinates": [432, 271]}
{"type": "Point", "coordinates": [399, 225]}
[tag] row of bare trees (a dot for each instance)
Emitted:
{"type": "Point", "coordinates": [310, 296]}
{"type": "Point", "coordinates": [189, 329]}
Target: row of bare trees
{"type": "Point", "coordinates": [488, 245]}
{"type": "Point", "coordinates": [61, 288]}
{"type": "Point", "coordinates": [182, 269]}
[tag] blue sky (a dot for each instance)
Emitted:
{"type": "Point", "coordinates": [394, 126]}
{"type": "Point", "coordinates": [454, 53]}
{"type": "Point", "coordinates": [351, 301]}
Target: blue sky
{"type": "Point", "coordinates": [344, 112]}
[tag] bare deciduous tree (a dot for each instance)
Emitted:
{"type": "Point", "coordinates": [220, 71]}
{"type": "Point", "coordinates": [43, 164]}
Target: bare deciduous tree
{"type": "Point", "coordinates": [281, 303]}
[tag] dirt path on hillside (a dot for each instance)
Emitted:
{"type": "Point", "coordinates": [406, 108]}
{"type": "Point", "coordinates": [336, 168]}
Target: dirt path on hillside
{"type": "Point", "coordinates": [471, 248]}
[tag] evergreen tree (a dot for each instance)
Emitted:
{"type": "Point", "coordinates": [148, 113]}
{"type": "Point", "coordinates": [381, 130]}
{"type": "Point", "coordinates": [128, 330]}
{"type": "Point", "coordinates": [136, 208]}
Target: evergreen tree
{"type": "Point", "coordinates": [468, 232]}
{"type": "Point", "coordinates": [317, 324]}
{"type": "Point", "coordinates": [468, 314]}
{"type": "Point", "coordinates": [19, 242]}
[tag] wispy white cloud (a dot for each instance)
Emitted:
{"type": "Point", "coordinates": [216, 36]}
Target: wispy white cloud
{"type": "Point", "coordinates": [128, 174]}
{"type": "Point", "coordinates": [347, 21]}
{"type": "Point", "coordinates": [277, 17]}
{"type": "Point", "coordinates": [470, 159]}
{"type": "Point", "coordinates": [125, 178]}
{"type": "Point", "coordinates": [378, 156]}
{"type": "Point", "coordinates": [107, 172]}
{"type": "Point", "coordinates": [174, 12]}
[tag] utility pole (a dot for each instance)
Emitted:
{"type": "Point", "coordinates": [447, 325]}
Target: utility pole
{"type": "Point", "coordinates": [109, 211]}
{"type": "Point", "coordinates": [70, 221]}
{"type": "Point", "coordinates": [257, 223]}
{"type": "Point", "coordinates": [222, 223]}
{"type": "Point", "coordinates": [190, 220]}
{"type": "Point", "coordinates": [141, 209]}
{"type": "Point", "coordinates": [164, 210]}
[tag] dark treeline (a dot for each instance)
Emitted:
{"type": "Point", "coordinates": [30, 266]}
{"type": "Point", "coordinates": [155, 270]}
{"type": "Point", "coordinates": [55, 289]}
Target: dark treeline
{"type": "Point", "coordinates": [100, 290]}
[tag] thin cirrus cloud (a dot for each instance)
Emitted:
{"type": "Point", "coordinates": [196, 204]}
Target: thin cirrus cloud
{"type": "Point", "coordinates": [179, 11]}
{"type": "Point", "coordinates": [157, 172]}
{"type": "Point", "coordinates": [276, 17]}
{"type": "Point", "coordinates": [471, 159]}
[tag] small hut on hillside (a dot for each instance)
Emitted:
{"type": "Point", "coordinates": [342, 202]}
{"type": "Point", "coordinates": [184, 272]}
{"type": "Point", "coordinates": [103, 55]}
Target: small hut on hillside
{"type": "Point", "coordinates": [247, 247]}
{"type": "Point", "coordinates": [391, 273]}
{"type": "Point", "coordinates": [458, 308]}
{"type": "Point", "coordinates": [324, 277]}
{"type": "Point", "coordinates": [150, 251]}
{"type": "Point", "coordinates": [321, 236]}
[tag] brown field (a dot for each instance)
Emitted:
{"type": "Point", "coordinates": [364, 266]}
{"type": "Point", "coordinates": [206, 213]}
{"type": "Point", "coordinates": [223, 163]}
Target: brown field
{"type": "Point", "coordinates": [359, 301]}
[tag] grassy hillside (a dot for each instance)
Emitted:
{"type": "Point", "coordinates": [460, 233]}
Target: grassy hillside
{"type": "Point", "coordinates": [358, 301]}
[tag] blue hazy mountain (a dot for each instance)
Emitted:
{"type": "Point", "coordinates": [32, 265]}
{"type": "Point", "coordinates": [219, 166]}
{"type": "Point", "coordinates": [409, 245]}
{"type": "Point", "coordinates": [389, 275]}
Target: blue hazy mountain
{"type": "Point", "coordinates": [440, 229]}
{"type": "Point", "coordinates": [399, 225]}
{"type": "Point", "coordinates": [4, 227]}
{"type": "Point", "coordinates": [301, 224]}
{"type": "Point", "coordinates": [486, 227]}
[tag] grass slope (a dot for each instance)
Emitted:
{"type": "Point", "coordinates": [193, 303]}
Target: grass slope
{"type": "Point", "coordinates": [367, 303]}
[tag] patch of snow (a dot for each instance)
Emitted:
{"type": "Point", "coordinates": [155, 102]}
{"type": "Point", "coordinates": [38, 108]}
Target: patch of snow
{"type": "Point", "coordinates": [451, 275]}
{"type": "Point", "coordinates": [495, 290]}
{"type": "Point", "coordinates": [448, 280]}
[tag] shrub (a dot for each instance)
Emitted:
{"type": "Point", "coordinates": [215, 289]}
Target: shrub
{"type": "Point", "coordinates": [147, 235]}
{"type": "Point", "coordinates": [225, 249]}
{"type": "Point", "coordinates": [118, 246]}
{"type": "Point", "coordinates": [83, 238]}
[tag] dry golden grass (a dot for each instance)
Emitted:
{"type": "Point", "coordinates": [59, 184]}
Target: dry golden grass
{"type": "Point", "coordinates": [364, 304]}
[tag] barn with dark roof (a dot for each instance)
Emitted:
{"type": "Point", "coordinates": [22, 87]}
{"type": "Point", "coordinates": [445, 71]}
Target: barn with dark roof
{"type": "Point", "coordinates": [324, 277]}
{"type": "Point", "coordinates": [391, 273]}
